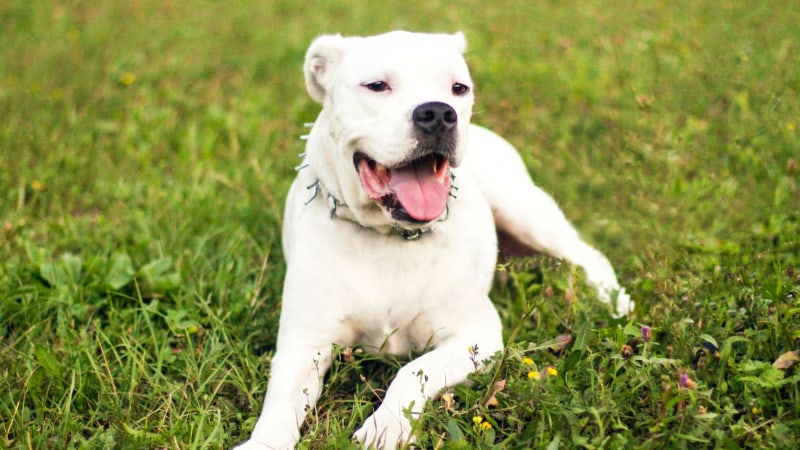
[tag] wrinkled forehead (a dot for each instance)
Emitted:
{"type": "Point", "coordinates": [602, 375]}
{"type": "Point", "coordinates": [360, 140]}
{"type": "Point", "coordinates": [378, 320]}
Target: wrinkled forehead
{"type": "Point", "coordinates": [397, 58]}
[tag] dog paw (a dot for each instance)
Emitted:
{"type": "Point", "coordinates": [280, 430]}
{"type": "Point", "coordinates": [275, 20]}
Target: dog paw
{"type": "Point", "coordinates": [624, 304]}
{"type": "Point", "coordinates": [277, 443]}
{"type": "Point", "coordinates": [383, 430]}
{"type": "Point", "coordinates": [251, 445]}
{"type": "Point", "coordinates": [616, 297]}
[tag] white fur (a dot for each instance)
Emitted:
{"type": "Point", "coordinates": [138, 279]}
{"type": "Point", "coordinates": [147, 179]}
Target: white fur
{"type": "Point", "coordinates": [350, 280]}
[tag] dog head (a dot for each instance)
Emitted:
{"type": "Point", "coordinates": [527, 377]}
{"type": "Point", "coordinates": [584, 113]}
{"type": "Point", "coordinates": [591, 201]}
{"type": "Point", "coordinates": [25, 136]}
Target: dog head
{"type": "Point", "coordinates": [396, 108]}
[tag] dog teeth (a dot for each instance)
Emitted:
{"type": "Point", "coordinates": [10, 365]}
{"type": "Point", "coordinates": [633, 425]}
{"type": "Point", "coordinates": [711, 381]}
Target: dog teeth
{"type": "Point", "coordinates": [380, 167]}
{"type": "Point", "coordinates": [435, 165]}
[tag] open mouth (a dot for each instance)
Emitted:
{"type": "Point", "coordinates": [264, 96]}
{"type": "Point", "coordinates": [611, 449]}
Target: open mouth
{"type": "Point", "coordinates": [416, 191]}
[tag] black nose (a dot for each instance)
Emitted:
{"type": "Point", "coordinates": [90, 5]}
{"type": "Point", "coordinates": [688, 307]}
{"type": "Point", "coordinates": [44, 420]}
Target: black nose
{"type": "Point", "coordinates": [435, 117]}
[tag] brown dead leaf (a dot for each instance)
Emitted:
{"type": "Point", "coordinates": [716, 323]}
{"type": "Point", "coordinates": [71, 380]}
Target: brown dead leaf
{"type": "Point", "coordinates": [787, 360]}
{"type": "Point", "coordinates": [498, 387]}
{"type": "Point", "coordinates": [449, 400]}
{"type": "Point", "coordinates": [563, 341]}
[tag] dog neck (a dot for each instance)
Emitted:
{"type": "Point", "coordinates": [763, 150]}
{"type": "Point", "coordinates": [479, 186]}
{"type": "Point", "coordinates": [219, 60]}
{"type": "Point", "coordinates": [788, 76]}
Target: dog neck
{"type": "Point", "coordinates": [340, 210]}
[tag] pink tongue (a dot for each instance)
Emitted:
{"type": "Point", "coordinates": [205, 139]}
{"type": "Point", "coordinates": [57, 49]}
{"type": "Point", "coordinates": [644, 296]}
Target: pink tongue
{"type": "Point", "coordinates": [422, 195]}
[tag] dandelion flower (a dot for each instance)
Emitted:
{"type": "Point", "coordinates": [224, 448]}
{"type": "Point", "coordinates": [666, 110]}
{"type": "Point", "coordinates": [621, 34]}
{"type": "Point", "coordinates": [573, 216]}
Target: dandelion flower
{"type": "Point", "coordinates": [552, 371]}
{"type": "Point", "coordinates": [477, 420]}
{"type": "Point", "coordinates": [485, 426]}
{"type": "Point", "coordinates": [533, 375]}
{"type": "Point", "coordinates": [527, 361]}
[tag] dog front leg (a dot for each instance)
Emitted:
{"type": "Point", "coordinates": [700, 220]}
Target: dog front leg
{"type": "Point", "coordinates": [425, 377]}
{"type": "Point", "coordinates": [539, 223]}
{"type": "Point", "coordinates": [294, 387]}
{"type": "Point", "coordinates": [531, 216]}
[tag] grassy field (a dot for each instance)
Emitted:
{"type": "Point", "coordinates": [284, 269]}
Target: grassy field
{"type": "Point", "coordinates": [146, 148]}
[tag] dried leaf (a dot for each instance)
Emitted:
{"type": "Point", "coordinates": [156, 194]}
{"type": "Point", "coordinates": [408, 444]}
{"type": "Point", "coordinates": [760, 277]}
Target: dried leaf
{"type": "Point", "coordinates": [498, 387]}
{"type": "Point", "coordinates": [787, 360]}
{"type": "Point", "coordinates": [563, 341]}
{"type": "Point", "coordinates": [449, 400]}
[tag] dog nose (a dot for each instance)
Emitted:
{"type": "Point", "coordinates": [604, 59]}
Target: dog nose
{"type": "Point", "coordinates": [435, 117]}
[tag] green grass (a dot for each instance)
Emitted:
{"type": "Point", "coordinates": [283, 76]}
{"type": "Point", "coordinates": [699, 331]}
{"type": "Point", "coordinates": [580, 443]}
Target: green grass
{"type": "Point", "coordinates": [146, 148]}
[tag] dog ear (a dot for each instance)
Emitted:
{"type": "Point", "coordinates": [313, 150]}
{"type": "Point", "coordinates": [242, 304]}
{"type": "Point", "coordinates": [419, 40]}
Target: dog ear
{"type": "Point", "coordinates": [460, 41]}
{"type": "Point", "coordinates": [321, 58]}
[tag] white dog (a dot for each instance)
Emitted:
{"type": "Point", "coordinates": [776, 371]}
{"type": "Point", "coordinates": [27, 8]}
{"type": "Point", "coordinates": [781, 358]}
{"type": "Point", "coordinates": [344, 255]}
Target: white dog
{"type": "Point", "coordinates": [389, 234]}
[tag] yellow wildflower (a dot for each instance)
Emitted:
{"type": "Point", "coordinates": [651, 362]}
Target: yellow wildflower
{"type": "Point", "coordinates": [127, 78]}
{"type": "Point", "coordinates": [552, 371]}
{"type": "Point", "coordinates": [533, 374]}
{"type": "Point", "coordinates": [37, 185]}
{"type": "Point", "coordinates": [481, 423]}
{"type": "Point", "coordinates": [527, 361]}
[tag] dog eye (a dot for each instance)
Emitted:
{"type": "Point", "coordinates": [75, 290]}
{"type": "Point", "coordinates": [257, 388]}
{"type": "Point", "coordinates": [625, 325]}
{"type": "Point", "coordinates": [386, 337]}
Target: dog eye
{"type": "Point", "coordinates": [377, 86]}
{"type": "Point", "coordinates": [460, 89]}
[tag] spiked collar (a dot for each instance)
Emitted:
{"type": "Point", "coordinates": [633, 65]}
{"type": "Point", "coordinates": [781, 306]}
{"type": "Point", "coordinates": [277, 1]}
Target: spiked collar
{"type": "Point", "coordinates": [340, 210]}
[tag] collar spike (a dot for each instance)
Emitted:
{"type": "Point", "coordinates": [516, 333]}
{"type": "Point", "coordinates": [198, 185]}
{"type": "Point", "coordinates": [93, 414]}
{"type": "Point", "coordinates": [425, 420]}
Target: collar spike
{"type": "Point", "coordinates": [333, 202]}
{"type": "Point", "coordinates": [335, 206]}
{"type": "Point", "coordinates": [314, 193]}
